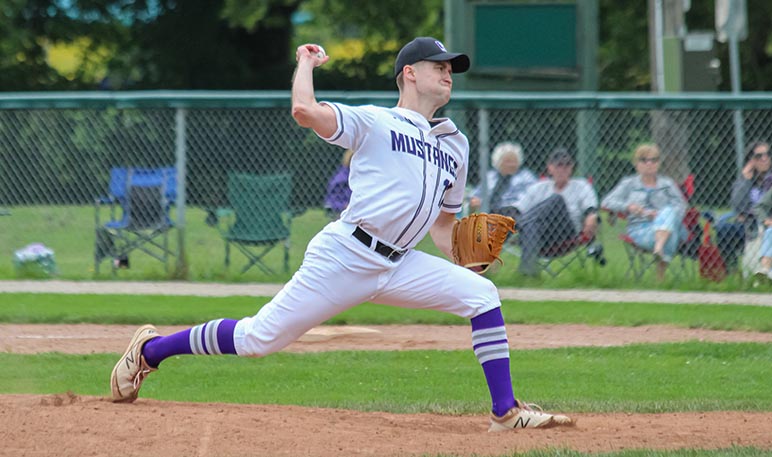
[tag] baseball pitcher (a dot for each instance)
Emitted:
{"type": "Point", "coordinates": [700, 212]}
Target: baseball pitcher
{"type": "Point", "coordinates": [408, 175]}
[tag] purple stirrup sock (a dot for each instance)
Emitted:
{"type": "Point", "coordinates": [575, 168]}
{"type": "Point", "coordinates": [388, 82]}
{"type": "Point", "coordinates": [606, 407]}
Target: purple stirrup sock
{"type": "Point", "coordinates": [489, 340]}
{"type": "Point", "coordinates": [214, 337]}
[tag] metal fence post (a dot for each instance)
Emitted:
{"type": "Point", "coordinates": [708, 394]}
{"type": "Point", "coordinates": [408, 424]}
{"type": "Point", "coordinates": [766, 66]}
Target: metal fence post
{"type": "Point", "coordinates": [483, 148]}
{"type": "Point", "coordinates": [181, 270]}
{"type": "Point", "coordinates": [586, 144]}
{"type": "Point", "coordinates": [737, 115]}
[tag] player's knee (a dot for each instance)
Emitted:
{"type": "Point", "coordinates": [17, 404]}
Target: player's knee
{"type": "Point", "coordinates": [484, 297]}
{"type": "Point", "coordinates": [248, 348]}
{"type": "Point", "coordinates": [489, 291]}
{"type": "Point", "coordinates": [253, 340]}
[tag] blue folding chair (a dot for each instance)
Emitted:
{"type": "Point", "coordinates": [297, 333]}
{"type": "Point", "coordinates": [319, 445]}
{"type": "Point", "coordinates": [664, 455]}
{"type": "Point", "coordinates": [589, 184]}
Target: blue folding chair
{"type": "Point", "coordinates": [144, 197]}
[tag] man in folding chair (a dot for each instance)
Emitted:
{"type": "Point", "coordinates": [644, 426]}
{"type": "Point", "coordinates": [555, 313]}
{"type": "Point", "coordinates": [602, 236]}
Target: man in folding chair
{"type": "Point", "coordinates": [555, 213]}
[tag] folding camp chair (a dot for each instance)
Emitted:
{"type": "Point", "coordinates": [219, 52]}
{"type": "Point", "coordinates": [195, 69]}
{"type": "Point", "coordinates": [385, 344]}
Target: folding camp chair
{"type": "Point", "coordinates": [258, 218]}
{"type": "Point", "coordinates": [555, 258]}
{"type": "Point", "coordinates": [641, 260]}
{"type": "Point", "coordinates": [144, 197]}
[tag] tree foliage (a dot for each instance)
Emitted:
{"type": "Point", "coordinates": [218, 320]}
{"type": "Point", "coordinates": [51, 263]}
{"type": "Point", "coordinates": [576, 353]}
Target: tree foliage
{"type": "Point", "coordinates": [624, 49]}
{"type": "Point", "coordinates": [249, 44]}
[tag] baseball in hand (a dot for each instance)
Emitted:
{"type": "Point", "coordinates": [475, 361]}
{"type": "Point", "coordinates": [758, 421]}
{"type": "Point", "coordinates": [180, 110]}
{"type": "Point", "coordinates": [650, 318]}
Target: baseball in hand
{"type": "Point", "coordinates": [320, 53]}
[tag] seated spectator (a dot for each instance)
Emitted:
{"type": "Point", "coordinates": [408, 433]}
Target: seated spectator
{"type": "Point", "coordinates": [733, 228]}
{"type": "Point", "coordinates": [655, 207]}
{"type": "Point", "coordinates": [554, 210]}
{"type": "Point", "coordinates": [506, 182]}
{"type": "Point", "coordinates": [763, 213]}
{"type": "Point", "coordinates": [338, 190]}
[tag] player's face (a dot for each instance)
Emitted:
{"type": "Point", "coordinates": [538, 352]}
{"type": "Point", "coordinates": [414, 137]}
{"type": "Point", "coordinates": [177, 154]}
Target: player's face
{"type": "Point", "coordinates": [434, 79]}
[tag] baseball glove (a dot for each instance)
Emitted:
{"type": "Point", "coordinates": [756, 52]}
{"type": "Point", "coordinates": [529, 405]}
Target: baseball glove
{"type": "Point", "coordinates": [478, 239]}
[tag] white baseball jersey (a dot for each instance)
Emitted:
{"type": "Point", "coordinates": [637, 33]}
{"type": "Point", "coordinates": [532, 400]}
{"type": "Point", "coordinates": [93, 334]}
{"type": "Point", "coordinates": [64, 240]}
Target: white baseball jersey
{"type": "Point", "coordinates": [403, 173]}
{"type": "Point", "coordinates": [421, 167]}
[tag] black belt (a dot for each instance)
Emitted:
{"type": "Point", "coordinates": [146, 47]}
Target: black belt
{"type": "Point", "coordinates": [380, 248]}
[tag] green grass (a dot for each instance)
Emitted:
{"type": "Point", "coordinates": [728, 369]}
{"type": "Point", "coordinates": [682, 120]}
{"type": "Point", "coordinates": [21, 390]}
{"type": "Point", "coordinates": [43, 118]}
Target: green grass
{"type": "Point", "coordinates": [183, 310]}
{"type": "Point", "coordinates": [693, 376]}
{"type": "Point", "coordinates": [69, 231]}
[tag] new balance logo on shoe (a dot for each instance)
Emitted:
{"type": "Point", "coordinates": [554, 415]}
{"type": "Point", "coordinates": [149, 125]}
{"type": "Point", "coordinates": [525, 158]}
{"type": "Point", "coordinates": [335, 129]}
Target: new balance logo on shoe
{"type": "Point", "coordinates": [522, 423]}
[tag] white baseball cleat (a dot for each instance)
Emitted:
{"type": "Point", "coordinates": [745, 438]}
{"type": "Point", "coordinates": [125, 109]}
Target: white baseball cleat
{"type": "Point", "coordinates": [132, 369]}
{"type": "Point", "coordinates": [525, 417]}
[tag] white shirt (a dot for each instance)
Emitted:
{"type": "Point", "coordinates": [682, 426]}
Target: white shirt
{"type": "Point", "coordinates": [403, 172]}
{"type": "Point", "coordinates": [578, 195]}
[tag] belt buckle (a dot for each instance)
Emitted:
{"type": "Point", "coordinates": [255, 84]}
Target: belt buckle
{"type": "Point", "coordinates": [394, 255]}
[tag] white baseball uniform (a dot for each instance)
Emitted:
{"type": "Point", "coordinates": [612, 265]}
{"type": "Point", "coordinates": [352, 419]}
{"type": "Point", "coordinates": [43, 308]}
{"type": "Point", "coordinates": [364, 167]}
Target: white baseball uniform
{"type": "Point", "coordinates": [403, 173]}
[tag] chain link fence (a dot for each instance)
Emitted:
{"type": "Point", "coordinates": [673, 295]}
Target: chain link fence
{"type": "Point", "coordinates": [59, 154]}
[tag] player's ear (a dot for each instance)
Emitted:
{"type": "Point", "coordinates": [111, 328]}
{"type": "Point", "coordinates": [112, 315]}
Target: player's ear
{"type": "Point", "coordinates": [409, 72]}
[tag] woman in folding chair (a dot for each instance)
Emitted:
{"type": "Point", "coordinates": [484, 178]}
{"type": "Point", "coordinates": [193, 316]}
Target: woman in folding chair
{"type": "Point", "coordinates": [654, 206]}
{"type": "Point", "coordinates": [555, 211]}
{"type": "Point", "coordinates": [740, 225]}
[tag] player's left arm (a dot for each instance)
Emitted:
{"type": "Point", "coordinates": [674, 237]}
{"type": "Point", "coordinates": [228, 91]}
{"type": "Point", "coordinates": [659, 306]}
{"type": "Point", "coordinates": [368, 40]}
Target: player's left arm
{"type": "Point", "coordinates": [441, 233]}
{"type": "Point", "coordinates": [305, 109]}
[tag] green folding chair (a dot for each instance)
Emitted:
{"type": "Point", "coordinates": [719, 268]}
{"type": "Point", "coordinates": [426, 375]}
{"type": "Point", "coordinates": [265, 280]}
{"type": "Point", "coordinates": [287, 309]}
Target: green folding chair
{"type": "Point", "coordinates": [258, 217]}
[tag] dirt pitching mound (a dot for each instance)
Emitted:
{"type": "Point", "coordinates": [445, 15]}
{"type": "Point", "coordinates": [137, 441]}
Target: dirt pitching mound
{"type": "Point", "coordinates": [70, 425]}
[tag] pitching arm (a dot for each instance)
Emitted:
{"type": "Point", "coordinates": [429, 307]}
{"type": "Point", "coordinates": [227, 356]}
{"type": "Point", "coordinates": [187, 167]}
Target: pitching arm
{"type": "Point", "coordinates": [305, 109]}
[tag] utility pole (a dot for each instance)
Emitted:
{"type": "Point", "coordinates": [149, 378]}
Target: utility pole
{"type": "Point", "coordinates": [666, 31]}
{"type": "Point", "coordinates": [732, 27]}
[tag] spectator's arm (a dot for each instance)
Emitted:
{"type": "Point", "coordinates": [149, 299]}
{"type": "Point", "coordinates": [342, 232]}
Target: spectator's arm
{"type": "Point", "coordinates": [677, 199]}
{"type": "Point", "coordinates": [616, 200]}
{"type": "Point", "coordinates": [740, 200]}
{"type": "Point", "coordinates": [590, 224]}
{"type": "Point", "coordinates": [763, 208]}
{"type": "Point", "coordinates": [590, 210]}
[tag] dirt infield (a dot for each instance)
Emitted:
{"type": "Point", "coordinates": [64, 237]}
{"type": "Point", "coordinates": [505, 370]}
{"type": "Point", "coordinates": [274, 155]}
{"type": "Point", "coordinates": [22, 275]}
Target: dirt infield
{"type": "Point", "coordinates": [87, 426]}
{"type": "Point", "coordinates": [70, 425]}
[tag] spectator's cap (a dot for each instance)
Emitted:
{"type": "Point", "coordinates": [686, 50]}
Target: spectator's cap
{"type": "Point", "coordinates": [428, 48]}
{"type": "Point", "coordinates": [561, 156]}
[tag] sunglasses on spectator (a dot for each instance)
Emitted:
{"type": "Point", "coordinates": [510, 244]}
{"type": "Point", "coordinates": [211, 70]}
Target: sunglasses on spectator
{"type": "Point", "coordinates": [760, 155]}
{"type": "Point", "coordinates": [648, 159]}
{"type": "Point", "coordinates": [563, 164]}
